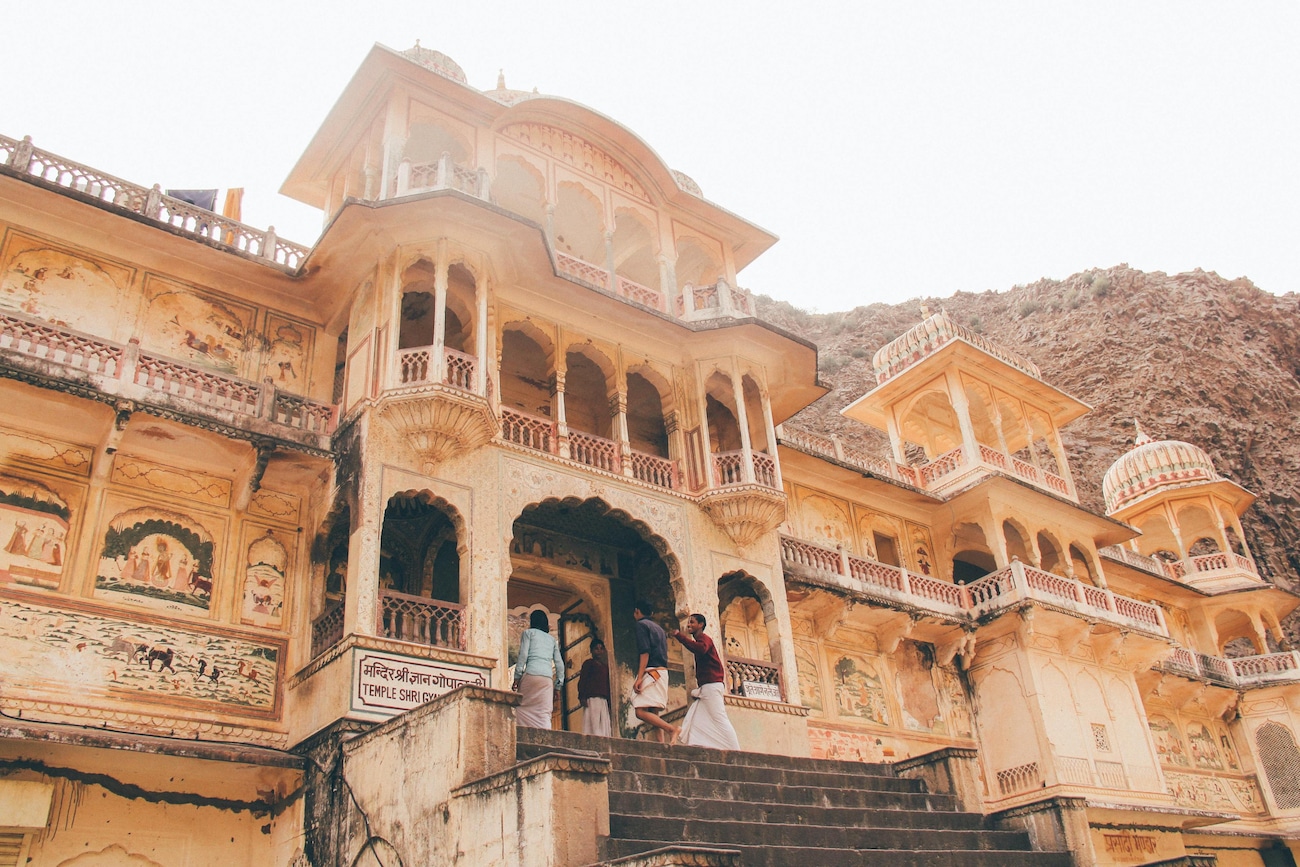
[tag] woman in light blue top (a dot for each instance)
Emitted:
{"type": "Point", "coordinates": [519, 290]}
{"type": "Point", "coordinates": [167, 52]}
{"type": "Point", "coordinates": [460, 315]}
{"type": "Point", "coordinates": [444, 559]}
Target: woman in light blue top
{"type": "Point", "coordinates": [539, 672]}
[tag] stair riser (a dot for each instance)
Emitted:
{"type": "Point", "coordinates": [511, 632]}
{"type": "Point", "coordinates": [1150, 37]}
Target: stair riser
{"type": "Point", "coordinates": [747, 773]}
{"type": "Point", "coordinates": [668, 806]}
{"type": "Point", "coordinates": [759, 834]}
{"type": "Point", "coordinates": [778, 856]}
{"type": "Point", "coordinates": [813, 796]}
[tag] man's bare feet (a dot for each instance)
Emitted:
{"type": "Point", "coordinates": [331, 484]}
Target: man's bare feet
{"type": "Point", "coordinates": [672, 741]}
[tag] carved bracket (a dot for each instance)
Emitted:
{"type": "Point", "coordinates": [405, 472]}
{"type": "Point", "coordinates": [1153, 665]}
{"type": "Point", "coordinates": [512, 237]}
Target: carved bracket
{"type": "Point", "coordinates": [438, 422]}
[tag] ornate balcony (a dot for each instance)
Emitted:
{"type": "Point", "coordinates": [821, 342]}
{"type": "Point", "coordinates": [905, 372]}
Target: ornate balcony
{"type": "Point", "coordinates": [996, 592]}
{"type": "Point", "coordinates": [47, 169]}
{"type": "Point", "coordinates": [755, 678]}
{"type": "Point", "coordinates": [945, 473]}
{"type": "Point", "coordinates": [420, 620]}
{"type": "Point", "coordinates": [62, 358]}
{"type": "Point", "coordinates": [1216, 573]}
{"type": "Point", "coordinates": [746, 499]}
{"type": "Point", "coordinates": [542, 435]}
{"type": "Point", "coordinates": [438, 418]}
{"type": "Point", "coordinates": [442, 174]}
{"type": "Point", "coordinates": [1243, 672]}
{"type": "Point", "coordinates": [1220, 572]}
{"type": "Point", "coordinates": [327, 630]}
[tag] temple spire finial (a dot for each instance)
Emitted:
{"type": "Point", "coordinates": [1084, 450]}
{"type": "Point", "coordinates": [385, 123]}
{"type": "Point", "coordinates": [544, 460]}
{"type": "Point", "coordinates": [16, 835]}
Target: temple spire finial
{"type": "Point", "coordinates": [1140, 438]}
{"type": "Point", "coordinates": [501, 79]}
{"type": "Point", "coordinates": [925, 310]}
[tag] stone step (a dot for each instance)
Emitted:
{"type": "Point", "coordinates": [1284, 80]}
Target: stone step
{"type": "Point", "coordinates": [812, 856]}
{"type": "Point", "coordinates": [783, 812]}
{"type": "Point", "coordinates": [716, 767]}
{"type": "Point", "coordinates": [573, 740]}
{"type": "Point", "coordinates": [772, 793]}
{"type": "Point", "coordinates": [732, 833]}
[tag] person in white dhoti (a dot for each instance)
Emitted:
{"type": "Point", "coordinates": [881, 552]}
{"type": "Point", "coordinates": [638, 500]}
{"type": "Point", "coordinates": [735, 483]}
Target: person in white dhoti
{"type": "Point", "coordinates": [706, 723]}
{"type": "Point", "coordinates": [593, 692]}
{"type": "Point", "coordinates": [539, 673]}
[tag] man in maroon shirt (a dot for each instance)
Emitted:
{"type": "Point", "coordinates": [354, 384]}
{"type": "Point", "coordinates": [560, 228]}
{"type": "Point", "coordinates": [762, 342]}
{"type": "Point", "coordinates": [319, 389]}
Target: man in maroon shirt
{"type": "Point", "coordinates": [706, 722]}
{"type": "Point", "coordinates": [593, 692]}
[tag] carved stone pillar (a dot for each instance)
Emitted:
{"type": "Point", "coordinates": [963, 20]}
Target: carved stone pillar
{"type": "Point", "coordinates": [438, 363]}
{"type": "Point", "coordinates": [742, 419]}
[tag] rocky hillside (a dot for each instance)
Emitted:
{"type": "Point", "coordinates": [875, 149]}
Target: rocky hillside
{"type": "Point", "coordinates": [1192, 356]}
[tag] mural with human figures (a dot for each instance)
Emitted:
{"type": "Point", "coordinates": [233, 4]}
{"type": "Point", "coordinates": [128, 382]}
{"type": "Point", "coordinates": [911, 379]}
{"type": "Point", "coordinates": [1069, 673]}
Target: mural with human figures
{"type": "Point", "coordinates": [83, 656]}
{"type": "Point", "coordinates": [288, 354]}
{"type": "Point", "coordinates": [33, 533]}
{"type": "Point", "coordinates": [61, 288]}
{"type": "Point", "coordinates": [181, 323]}
{"type": "Point", "coordinates": [859, 690]}
{"type": "Point", "coordinates": [157, 559]}
{"type": "Point", "coordinates": [265, 566]}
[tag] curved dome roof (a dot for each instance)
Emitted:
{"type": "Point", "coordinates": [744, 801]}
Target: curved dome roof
{"type": "Point", "coordinates": [1151, 466]}
{"type": "Point", "coordinates": [928, 337]}
{"type": "Point", "coordinates": [436, 61]}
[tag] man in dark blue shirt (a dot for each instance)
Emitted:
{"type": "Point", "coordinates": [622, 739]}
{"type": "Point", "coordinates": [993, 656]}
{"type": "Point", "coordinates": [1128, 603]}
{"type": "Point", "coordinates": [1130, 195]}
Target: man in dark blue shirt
{"type": "Point", "coordinates": [650, 689]}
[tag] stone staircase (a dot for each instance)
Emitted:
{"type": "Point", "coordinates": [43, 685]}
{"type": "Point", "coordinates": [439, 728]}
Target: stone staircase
{"type": "Point", "coordinates": [780, 811]}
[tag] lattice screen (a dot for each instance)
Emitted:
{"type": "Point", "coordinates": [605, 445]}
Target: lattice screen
{"type": "Point", "coordinates": [1281, 760]}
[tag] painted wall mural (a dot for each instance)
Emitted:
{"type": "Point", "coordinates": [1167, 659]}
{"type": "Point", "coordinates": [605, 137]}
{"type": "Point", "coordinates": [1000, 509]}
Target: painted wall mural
{"type": "Point", "coordinates": [1169, 743]}
{"type": "Point", "coordinates": [205, 331]}
{"type": "Point", "coordinates": [914, 664]}
{"type": "Point", "coordinates": [266, 566]}
{"type": "Point", "coordinates": [158, 559]}
{"type": "Point", "coordinates": [810, 684]}
{"type": "Point", "coordinates": [851, 746]}
{"type": "Point", "coordinates": [83, 656]}
{"type": "Point", "coordinates": [859, 691]}
{"type": "Point", "coordinates": [288, 354]}
{"type": "Point", "coordinates": [33, 533]}
{"type": "Point", "coordinates": [825, 522]}
{"type": "Point", "coordinates": [1213, 793]}
{"type": "Point", "coordinates": [62, 288]}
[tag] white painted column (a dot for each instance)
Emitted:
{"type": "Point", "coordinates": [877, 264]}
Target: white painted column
{"type": "Point", "coordinates": [742, 419]}
{"type": "Point", "coordinates": [439, 361]}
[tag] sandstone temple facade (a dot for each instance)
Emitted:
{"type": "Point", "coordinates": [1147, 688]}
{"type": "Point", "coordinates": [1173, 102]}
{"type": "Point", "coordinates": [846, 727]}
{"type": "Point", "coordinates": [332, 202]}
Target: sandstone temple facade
{"type": "Point", "coordinates": [272, 519]}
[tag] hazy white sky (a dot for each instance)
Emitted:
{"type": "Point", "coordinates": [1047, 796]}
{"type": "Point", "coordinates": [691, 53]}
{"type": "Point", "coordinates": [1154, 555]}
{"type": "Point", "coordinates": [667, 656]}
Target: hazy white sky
{"type": "Point", "coordinates": [899, 149]}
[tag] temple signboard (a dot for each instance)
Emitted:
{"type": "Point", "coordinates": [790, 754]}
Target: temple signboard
{"type": "Point", "coordinates": [387, 684]}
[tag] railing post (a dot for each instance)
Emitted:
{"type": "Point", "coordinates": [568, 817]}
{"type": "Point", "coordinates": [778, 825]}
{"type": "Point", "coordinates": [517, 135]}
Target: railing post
{"type": "Point", "coordinates": [266, 400]}
{"type": "Point", "coordinates": [1018, 579]}
{"type": "Point", "coordinates": [484, 185]}
{"type": "Point", "coordinates": [403, 177]}
{"type": "Point", "coordinates": [21, 158]}
{"type": "Point", "coordinates": [153, 203]}
{"type": "Point", "coordinates": [688, 300]}
{"type": "Point", "coordinates": [1160, 616]}
{"type": "Point", "coordinates": [268, 243]}
{"type": "Point", "coordinates": [905, 580]}
{"type": "Point", "coordinates": [444, 171]}
{"type": "Point", "coordinates": [845, 570]}
{"type": "Point", "coordinates": [130, 361]}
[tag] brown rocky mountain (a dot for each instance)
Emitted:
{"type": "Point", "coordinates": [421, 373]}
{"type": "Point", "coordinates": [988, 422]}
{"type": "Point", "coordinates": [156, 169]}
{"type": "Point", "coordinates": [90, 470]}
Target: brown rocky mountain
{"type": "Point", "coordinates": [1193, 356]}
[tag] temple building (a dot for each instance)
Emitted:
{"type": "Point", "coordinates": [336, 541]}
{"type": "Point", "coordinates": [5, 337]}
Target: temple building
{"type": "Point", "coordinates": [272, 520]}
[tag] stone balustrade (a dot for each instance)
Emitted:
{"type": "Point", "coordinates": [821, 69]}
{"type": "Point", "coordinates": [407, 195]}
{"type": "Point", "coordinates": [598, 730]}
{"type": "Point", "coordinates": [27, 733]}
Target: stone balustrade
{"type": "Point", "coordinates": [742, 673]}
{"type": "Point", "coordinates": [1243, 672]}
{"type": "Point", "coordinates": [543, 435]}
{"type": "Point", "coordinates": [420, 620]}
{"type": "Point", "coordinates": [995, 592]}
{"type": "Point", "coordinates": [729, 469]}
{"type": "Point", "coordinates": [936, 475]}
{"type": "Point", "coordinates": [127, 372]}
{"type": "Point", "coordinates": [22, 159]}
{"type": "Point", "coordinates": [1202, 568]}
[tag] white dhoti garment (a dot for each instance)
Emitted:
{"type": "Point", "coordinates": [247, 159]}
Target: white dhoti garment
{"type": "Point", "coordinates": [654, 690]}
{"type": "Point", "coordinates": [539, 698]}
{"type": "Point", "coordinates": [595, 717]}
{"type": "Point", "coordinates": [706, 722]}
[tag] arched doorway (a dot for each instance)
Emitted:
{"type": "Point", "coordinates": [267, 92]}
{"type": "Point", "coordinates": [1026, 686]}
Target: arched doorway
{"type": "Point", "coordinates": [585, 565]}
